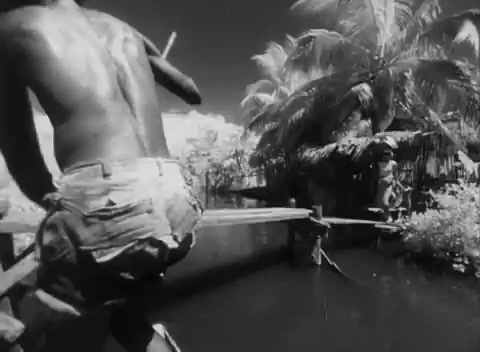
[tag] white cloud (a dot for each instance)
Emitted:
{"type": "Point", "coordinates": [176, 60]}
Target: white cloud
{"type": "Point", "coordinates": [179, 127]}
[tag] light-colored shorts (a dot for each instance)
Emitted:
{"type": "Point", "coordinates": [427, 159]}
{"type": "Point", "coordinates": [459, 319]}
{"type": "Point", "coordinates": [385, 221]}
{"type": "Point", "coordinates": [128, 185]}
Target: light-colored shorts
{"type": "Point", "coordinates": [112, 226]}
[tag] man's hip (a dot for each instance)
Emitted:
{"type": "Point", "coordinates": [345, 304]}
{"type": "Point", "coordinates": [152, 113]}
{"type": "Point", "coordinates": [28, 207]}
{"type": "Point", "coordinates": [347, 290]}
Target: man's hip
{"type": "Point", "coordinates": [114, 225]}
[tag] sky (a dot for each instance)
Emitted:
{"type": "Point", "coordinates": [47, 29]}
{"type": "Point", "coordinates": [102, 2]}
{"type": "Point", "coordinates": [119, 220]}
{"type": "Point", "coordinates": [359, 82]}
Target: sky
{"type": "Point", "coordinates": [216, 39]}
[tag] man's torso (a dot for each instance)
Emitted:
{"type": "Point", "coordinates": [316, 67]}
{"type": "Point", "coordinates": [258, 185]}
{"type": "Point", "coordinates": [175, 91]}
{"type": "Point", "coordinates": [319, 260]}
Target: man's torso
{"type": "Point", "coordinates": [62, 57]}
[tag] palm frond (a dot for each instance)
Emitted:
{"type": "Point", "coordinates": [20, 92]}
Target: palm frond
{"type": "Point", "coordinates": [262, 85]}
{"type": "Point", "coordinates": [259, 99]}
{"type": "Point", "coordinates": [371, 23]}
{"type": "Point", "coordinates": [290, 44]}
{"type": "Point", "coordinates": [438, 72]}
{"type": "Point", "coordinates": [261, 118]}
{"type": "Point", "coordinates": [459, 31]}
{"type": "Point", "coordinates": [255, 109]}
{"type": "Point", "coordinates": [404, 11]}
{"type": "Point", "coordinates": [350, 113]}
{"type": "Point", "coordinates": [326, 50]}
{"type": "Point", "coordinates": [271, 62]}
{"type": "Point", "coordinates": [436, 79]}
{"type": "Point", "coordinates": [311, 113]}
{"type": "Point", "coordinates": [424, 13]}
{"type": "Point", "coordinates": [379, 16]}
{"type": "Point", "coordinates": [332, 15]}
{"type": "Point", "coordinates": [437, 124]}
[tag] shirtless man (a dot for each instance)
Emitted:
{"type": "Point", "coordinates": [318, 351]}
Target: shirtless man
{"type": "Point", "coordinates": [117, 217]}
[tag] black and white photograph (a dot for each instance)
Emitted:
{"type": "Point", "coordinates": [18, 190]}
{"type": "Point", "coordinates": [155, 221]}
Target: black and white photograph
{"type": "Point", "coordinates": [239, 176]}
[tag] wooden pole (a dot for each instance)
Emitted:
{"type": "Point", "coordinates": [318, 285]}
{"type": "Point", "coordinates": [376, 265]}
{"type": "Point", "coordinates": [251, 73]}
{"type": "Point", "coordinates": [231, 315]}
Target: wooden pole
{"type": "Point", "coordinates": [10, 328]}
{"type": "Point", "coordinates": [291, 240]}
{"type": "Point", "coordinates": [171, 40]}
{"type": "Point", "coordinates": [317, 248]}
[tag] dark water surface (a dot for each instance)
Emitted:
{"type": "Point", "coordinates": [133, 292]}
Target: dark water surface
{"type": "Point", "coordinates": [287, 309]}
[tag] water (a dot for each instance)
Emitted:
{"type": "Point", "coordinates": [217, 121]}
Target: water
{"type": "Point", "coordinates": [284, 309]}
{"type": "Point", "coordinates": [288, 309]}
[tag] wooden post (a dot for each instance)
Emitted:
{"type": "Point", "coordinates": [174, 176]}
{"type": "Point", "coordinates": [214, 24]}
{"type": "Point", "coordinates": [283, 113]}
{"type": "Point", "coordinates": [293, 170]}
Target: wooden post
{"type": "Point", "coordinates": [12, 327]}
{"type": "Point", "coordinates": [170, 42]}
{"type": "Point", "coordinates": [316, 252]}
{"type": "Point", "coordinates": [291, 231]}
{"type": "Point", "coordinates": [207, 187]}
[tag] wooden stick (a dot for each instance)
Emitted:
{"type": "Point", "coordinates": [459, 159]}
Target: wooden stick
{"type": "Point", "coordinates": [17, 273]}
{"type": "Point", "coordinates": [317, 248]}
{"type": "Point", "coordinates": [170, 42]}
{"type": "Point", "coordinates": [10, 328]}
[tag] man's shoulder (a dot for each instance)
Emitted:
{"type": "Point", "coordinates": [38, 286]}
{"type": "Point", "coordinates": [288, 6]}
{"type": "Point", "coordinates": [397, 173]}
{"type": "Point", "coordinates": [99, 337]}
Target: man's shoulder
{"type": "Point", "coordinates": [22, 21]}
{"type": "Point", "coordinates": [109, 26]}
{"type": "Point", "coordinates": [23, 17]}
{"type": "Point", "coordinates": [106, 19]}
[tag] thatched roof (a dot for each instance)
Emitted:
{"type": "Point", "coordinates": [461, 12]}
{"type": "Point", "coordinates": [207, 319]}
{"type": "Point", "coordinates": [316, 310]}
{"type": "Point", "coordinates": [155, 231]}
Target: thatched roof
{"type": "Point", "coordinates": [348, 157]}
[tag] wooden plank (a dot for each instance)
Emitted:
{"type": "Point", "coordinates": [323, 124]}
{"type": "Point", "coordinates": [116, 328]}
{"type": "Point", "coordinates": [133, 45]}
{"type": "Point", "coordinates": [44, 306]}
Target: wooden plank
{"type": "Point", "coordinates": [10, 328]}
{"type": "Point", "coordinates": [17, 273]}
{"type": "Point", "coordinates": [224, 217]}
{"type": "Point", "coordinates": [345, 221]}
{"type": "Point", "coordinates": [18, 222]}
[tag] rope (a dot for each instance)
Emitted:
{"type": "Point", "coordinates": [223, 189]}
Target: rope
{"type": "Point", "coordinates": [338, 270]}
{"type": "Point", "coordinates": [330, 262]}
{"type": "Point", "coordinates": [319, 222]}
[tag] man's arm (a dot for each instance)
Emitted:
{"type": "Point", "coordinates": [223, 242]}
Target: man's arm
{"type": "Point", "coordinates": [19, 141]}
{"type": "Point", "coordinates": [169, 77]}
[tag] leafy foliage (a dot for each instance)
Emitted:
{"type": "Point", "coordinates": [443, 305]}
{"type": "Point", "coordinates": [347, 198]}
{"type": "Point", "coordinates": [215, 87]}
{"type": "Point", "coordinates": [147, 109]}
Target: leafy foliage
{"type": "Point", "coordinates": [222, 151]}
{"type": "Point", "coordinates": [395, 46]}
{"type": "Point", "coordinates": [450, 228]}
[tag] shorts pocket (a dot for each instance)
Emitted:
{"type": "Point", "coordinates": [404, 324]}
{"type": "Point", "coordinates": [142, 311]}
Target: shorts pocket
{"type": "Point", "coordinates": [118, 225]}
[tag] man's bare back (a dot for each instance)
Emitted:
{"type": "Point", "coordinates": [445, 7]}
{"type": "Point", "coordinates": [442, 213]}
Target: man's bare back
{"type": "Point", "coordinates": [129, 51]}
{"type": "Point", "coordinates": [58, 54]}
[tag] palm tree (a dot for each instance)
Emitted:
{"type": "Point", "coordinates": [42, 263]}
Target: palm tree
{"type": "Point", "coordinates": [280, 80]}
{"type": "Point", "coordinates": [275, 85]}
{"type": "Point", "coordinates": [391, 33]}
{"type": "Point", "coordinates": [395, 62]}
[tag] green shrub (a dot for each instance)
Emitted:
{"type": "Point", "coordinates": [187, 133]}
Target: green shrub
{"type": "Point", "coordinates": [450, 229]}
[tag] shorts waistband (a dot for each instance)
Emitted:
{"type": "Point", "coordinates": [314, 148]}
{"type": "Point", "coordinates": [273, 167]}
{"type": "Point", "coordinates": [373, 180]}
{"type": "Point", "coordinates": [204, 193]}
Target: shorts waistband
{"type": "Point", "coordinates": [107, 169]}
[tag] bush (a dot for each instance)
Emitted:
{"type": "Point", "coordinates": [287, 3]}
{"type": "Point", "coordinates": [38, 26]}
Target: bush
{"type": "Point", "coordinates": [450, 229]}
{"type": "Point", "coordinates": [222, 150]}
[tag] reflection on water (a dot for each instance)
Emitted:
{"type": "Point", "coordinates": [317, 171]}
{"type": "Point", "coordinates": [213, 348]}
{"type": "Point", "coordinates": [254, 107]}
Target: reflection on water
{"type": "Point", "coordinates": [282, 309]}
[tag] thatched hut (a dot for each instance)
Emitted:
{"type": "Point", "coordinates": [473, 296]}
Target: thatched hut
{"type": "Point", "coordinates": [342, 176]}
